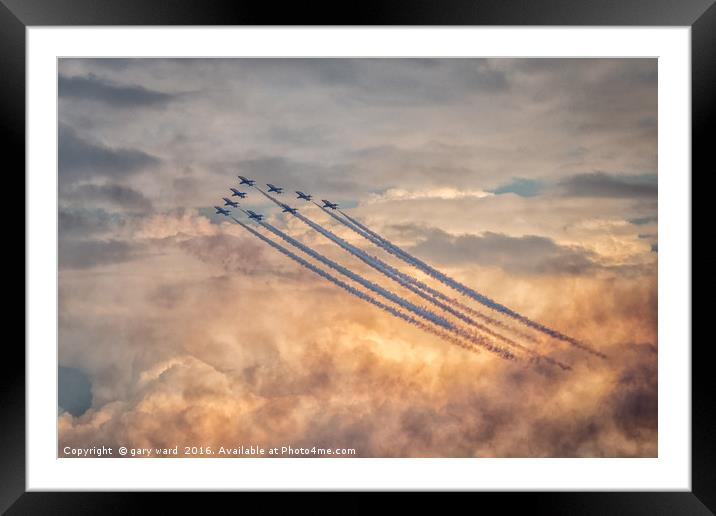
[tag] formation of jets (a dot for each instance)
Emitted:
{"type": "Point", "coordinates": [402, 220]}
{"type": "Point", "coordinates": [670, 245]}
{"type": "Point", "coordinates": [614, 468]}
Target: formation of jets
{"type": "Point", "coordinates": [272, 189]}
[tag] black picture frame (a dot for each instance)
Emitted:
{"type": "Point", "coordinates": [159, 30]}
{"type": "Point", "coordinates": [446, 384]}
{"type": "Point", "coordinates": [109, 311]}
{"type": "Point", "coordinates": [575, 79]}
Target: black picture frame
{"type": "Point", "coordinates": [17, 15]}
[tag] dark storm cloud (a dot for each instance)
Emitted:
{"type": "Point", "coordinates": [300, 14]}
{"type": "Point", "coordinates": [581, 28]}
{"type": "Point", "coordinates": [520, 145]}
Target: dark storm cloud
{"type": "Point", "coordinates": [527, 254]}
{"type": "Point", "coordinates": [95, 88]}
{"type": "Point", "coordinates": [80, 159]}
{"type": "Point", "coordinates": [85, 254]}
{"type": "Point", "coordinates": [115, 195]}
{"type": "Point", "coordinates": [601, 184]}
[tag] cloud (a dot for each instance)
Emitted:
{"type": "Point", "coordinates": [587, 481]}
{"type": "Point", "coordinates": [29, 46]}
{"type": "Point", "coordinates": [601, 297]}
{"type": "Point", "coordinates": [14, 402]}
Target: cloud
{"type": "Point", "coordinates": [112, 194]}
{"type": "Point", "coordinates": [79, 159]}
{"type": "Point", "coordinates": [528, 254]}
{"type": "Point", "coordinates": [401, 194]}
{"type": "Point", "coordinates": [601, 184]}
{"type": "Point", "coordinates": [85, 254]}
{"type": "Point", "coordinates": [233, 254]}
{"type": "Point", "coordinates": [635, 401]}
{"type": "Point", "coordinates": [402, 82]}
{"type": "Point", "coordinates": [248, 357]}
{"type": "Point", "coordinates": [336, 392]}
{"type": "Point", "coordinates": [84, 222]}
{"type": "Point", "coordinates": [311, 135]}
{"type": "Point", "coordinates": [180, 225]}
{"type": "Point", "coordinates": [192, 331]}
{"type": "Point", "coordinates": [97, 89]}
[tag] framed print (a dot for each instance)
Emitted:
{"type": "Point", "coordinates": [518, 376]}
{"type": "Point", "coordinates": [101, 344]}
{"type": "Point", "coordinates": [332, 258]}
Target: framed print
{"type": "Point", "coordinates": [445, 251]}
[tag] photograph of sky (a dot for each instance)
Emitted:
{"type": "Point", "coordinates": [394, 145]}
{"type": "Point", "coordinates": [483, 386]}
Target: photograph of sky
{"type": "Point", "coordinates": [532, 182]}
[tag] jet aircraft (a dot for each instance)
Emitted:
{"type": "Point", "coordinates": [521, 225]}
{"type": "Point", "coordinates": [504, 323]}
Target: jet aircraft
{"type": "Point", "coordinates": [275, 189]}
{"type": "Point", "coordinates": [246, 181]}
{"type": "Point", "coordinates": [253, 215]}
{"type": "Point", "coordinates": [329, 204]}
{"type": "Point", "coordinates": [229, 202]}
{"type": "Point", "coordinates": [305, 197]}
{"type": "Point", "coordinates": [237, 193]}
{"type": "Point", "coordinates": [222, 211]}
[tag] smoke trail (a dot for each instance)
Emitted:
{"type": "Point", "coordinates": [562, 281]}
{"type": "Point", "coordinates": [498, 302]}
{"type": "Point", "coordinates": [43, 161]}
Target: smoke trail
{"type": "Point", "coordinates": [536, 356]}
{"type": "Point", "coordinates": [422, 312]}
{"type": "Point", "coordinates": [361, 295]}
{"type": "Point", "coordinates": [475, 339]}
{"type": "Point", "coordinates": [492, 320]}
{"type": "Point", "coordinates": [410, 283]}
{"type": "Point", "coordinates": [370, 260]}
{"type": "Point", "coordinates": [382, 267]}
{"type": "Point", "coordinates": [431, 295]}
{"type": "Point", "coordinates": [403, 279]}
{"type": "Point", "coordinates": [405, 256]}
{"type": "Point", "coordinates": [373, 261]}
{"type": "Point", "coordinates": [434, 293]}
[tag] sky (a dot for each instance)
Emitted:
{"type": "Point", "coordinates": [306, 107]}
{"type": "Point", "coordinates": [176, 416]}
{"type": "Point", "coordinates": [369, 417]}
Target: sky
{"type": "Point", "coordinates": [533, 181]}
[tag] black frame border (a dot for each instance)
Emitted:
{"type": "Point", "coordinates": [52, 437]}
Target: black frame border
{"type": "Point", "coordinates": [17, 15]}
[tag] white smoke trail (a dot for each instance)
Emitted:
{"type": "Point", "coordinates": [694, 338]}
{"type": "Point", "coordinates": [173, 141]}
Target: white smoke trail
{"type": "Point", "coordinates": [404, 280]}
{"type": "Point", "coordinates": [434, 318]}
{"type": "Point", "coordinates": [422, 312]}
{"type": "Point", "coordinates": [427, 292]}
{"type": "Point", "coordinates": [382, 267]}
{"type": "Point", "coordinates": [361, 295]}
{"type": "Point", "coordinates": [426, 288]}
{"type": "Point", "coordinates": [475, 339]}
{"type": "Point", "coordinates": [467, 291]}
{"type": "Point", "coordinates": [433, 296]}
{"type": "Point", "coordinates": [387, 271]}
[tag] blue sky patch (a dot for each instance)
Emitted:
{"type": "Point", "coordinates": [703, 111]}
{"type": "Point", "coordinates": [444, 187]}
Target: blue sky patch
{"type": "Point", "coordinates": [520, 186]}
